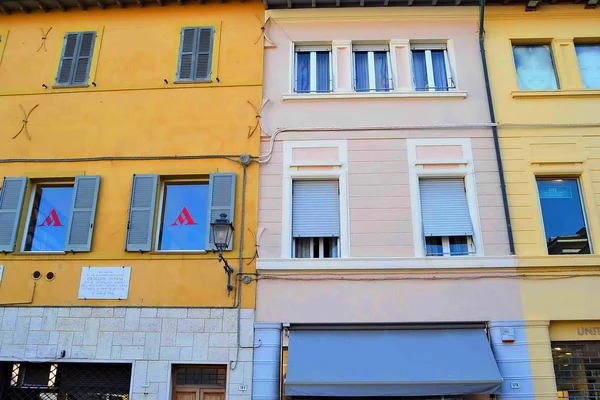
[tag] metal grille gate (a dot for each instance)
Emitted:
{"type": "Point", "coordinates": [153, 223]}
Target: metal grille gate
{"type": "Point", "coordinates": [577, 369]}
{"type": "Point", "coordinates": [64, 381]}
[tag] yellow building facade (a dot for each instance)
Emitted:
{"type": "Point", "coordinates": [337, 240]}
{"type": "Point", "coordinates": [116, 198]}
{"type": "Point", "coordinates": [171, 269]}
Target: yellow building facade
{"type": "Point", "coordinates": [125, 132]}
{"type": "Point", "coordinates": [546, 97]}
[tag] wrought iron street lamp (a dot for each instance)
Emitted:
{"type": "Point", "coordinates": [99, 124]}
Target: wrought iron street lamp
{"type": "Point", "coordinates": [222, 229]}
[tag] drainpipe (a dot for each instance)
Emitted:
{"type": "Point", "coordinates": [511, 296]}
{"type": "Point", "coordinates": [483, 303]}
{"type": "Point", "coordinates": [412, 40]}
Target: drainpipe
{"type": "Point", "coordinates": [511, 241]}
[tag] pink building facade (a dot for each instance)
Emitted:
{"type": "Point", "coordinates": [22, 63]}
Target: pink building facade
{"type": "Point", "coordinates": [370, 117]}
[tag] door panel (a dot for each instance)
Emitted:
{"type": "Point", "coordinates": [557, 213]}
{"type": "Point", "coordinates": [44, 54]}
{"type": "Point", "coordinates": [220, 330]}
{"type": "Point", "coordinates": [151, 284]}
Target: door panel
{"type": "Point", "coordinates": [186, 394]}
{"type": "Point", "coordinates": [213, 394]}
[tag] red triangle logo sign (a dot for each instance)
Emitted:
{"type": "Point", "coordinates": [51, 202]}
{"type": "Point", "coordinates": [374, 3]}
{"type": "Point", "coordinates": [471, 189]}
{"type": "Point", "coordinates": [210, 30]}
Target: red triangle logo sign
{"type": "Point", "coordinates": [184, 218]}
{"type": "Point", "coordinates": [52, 219]}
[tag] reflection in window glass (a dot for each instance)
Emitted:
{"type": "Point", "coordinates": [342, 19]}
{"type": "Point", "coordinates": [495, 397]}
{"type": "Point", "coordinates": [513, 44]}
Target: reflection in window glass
{"type": "Point", "coordinates": [433, 246]}
{"type": "Point", "coordinates": [47, 227]}
{"type": "Point", "coordinates": [535, 69]}
{"type": "Point", "coordinates": [588, 56]}
{"type": "Point", "coordinates": [184, 214]}
{"type": "Point", "coordinates": [459, 246]}
{"type": "Point", "coordinates": [562, 212]}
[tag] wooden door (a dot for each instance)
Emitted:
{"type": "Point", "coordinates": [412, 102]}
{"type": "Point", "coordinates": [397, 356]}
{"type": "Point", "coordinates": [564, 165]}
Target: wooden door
{"type": "Point", "coordinates": [184, 393]}
{"type": "Point", "coordinates": [212, 394]}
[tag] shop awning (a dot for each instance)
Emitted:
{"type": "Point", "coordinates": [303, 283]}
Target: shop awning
{"type": "Point", "coordinates": [421, 362]}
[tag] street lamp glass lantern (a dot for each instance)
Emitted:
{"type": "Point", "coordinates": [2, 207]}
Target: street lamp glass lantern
{"type": "Point", "coordinates": [222, 229]}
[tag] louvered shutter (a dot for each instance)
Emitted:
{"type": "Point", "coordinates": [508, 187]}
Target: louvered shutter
{"type": "Point", "coordinates": [141, 213]}
{"type": "Point", "coordinates": [11, 203]}
{"type": "Point", "coordinates": [204, 58]}
{"type": "Point", "coordinates": [83, 213]}
{"type": "Point", "coordinates": [84, 57]}
{"type": "Point", "coordinates": [67, 60]}
{"type": "Point", "coordinates": [444, 208]}
{"type": "Point", "coordinates": [187, 54]}
{"type": "Point", "coordinates": [315, 209]}
{"type": "Point", "coordinates": [221, 201]}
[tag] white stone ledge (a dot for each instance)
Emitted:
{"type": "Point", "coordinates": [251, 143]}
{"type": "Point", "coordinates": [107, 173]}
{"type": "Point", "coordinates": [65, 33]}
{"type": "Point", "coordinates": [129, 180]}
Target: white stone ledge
{"type": "Point", "coordinates": [454, 94]}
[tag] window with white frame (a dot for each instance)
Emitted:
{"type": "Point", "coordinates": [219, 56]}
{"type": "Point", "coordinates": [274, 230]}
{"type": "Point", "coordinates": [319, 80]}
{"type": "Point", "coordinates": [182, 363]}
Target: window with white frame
{"type": "Point", "coordinates": [315, 219]}
{"type": "Point", "coordinates": [372, 71]}
{"type": "Point", "coordinates": [447, 225]}
{"type": "Point", "coordinates": [312, 69]}
{"type": "Point", "coordinates": [431, 68]}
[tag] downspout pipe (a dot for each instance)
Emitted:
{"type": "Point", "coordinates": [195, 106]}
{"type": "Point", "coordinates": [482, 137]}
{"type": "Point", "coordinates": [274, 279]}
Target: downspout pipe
{"type": "Point", "coordinates": [511, 240]}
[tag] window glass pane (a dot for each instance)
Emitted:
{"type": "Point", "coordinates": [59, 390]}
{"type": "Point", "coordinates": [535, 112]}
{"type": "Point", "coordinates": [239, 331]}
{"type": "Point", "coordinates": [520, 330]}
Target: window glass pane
{"type": "Point", "coordinates": [330, 249]}
{"type": "Point", "coordinates": [439, 70]}
{"type": "Point", "coordinates": [433, 246]}
{"type": "Point", "coordinates": [303, 72]}
{"type": "Point", "coordinates": [47, 229]}
{"type": "Point", "coordinates": [185, 209]}
{"type": "Point", "coordinates": [361, 71]}
{"type": "Point", "coordinates": [562, 213]}
{"type": "Point", "coordinates": [382, 80]}
{"type": "Point", "coordinates": [535, 69]}
{"type": "Point", "coordinates": [420, 70]}
{"type": "Point", "coordinates": [303, 247]}
{"type": "Point", "coordinates": [459, 246]}
{"type": "Point", "coordinates": [588, 56]}
{"type": "Point", "coordinates": [323, 78]}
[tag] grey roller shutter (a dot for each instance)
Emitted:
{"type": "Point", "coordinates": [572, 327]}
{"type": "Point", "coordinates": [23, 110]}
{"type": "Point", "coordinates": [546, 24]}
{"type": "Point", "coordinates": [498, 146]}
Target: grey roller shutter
{"type": "Point", "coordinates": [11, 203]}
{"type": "Point", "coordinates": [204, 58]}
{"type": "Point", "coordinates": [444, 208]}
{"type": "Point", "coordinates": [83, 213]}
{"type": "Point", "coordinates": [84, 57]}
{"type": "Point", "coordinates": [187, 54]}
{"type": "Point", "coordinates": [67, 59]}
{"type": "Point", "coordinates": [141, 213]}
{"type": "Point", "coordinates": [315, 209]}
{"type": "Point", "coordinates": [221, 200]}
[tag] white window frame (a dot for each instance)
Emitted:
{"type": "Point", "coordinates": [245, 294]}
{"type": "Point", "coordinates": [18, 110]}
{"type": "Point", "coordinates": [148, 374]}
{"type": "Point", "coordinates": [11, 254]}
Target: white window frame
{"type": "Point", "coordinates": [293, 171]}
{"type": "Point", "coordinates": [158, 212]}
{"type": "Point", "coordinates": [465, 170]}
{"type": "Point", "coordinates": [446, 247]}
{"type": "Point", "coordinates": [30, 210]}
{"type": "Point", "coordinates": [371, 49]}
{"type": "Point", "coordinates": [313, 66]}
{"type": "Point", "coordinates": [429, 65]}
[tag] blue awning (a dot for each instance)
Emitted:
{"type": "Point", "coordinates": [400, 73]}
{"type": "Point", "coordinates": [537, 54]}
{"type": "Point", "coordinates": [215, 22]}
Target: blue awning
{"type": "Point", "coordinates": [428, 362]}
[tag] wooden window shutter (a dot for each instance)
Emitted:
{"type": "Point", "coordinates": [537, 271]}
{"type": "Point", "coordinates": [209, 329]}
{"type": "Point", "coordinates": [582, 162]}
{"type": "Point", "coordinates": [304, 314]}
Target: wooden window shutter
{"type": "Point", "coordinates": [204, 58]}
{"type": "Point", "coordinates": [187, 54]}
{"type": "Point", "coordinates": [83, 213]}
{"type": "Point", "coordinates": [84, 58]}
{"type": "Point", "coordinates": [11, 204]}
{"type": "Point", "coordinates": [221, 200]}
{"type": "Point", "coordinates": [67, 59]}
{"type": "Point", "coordinates": [141, 213]}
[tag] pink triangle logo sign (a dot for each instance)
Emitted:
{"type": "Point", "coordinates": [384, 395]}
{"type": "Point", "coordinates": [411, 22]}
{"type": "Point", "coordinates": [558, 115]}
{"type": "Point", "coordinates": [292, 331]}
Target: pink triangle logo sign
{"type": "Point", "coordinates": [52, 219]}
{"type": "Point", "coordinates": [184, 218]}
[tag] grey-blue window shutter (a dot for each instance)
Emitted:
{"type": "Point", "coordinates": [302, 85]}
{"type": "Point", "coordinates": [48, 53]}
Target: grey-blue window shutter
{"type": "Point", "coordinates": [444, 208]}
{"type": "Point", "coordinates": [315, 209]}
{"type": "Point", "coordinates": [187, 54]}
{"type": "Point", "coordinates": [11, 203]}
{"type": "Point", "coordinates": [83, 213]}
{"type": "Point", "coordinates": [67, 59]}
{"type": "Point", "coordinates": [221, 200]}
{"type": "Point", "coordinates": [204, 58]}
{"type": "Point", "coordinates": [85, 49]}
{"type": "Point", "coordinates": [141, 213]}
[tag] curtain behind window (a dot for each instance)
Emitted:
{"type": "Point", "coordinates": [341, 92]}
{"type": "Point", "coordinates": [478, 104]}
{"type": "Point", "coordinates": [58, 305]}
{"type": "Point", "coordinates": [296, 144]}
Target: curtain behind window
{"type": "Point", "coordinates": [420, 70]}
{"type": "Point", "coordinates": [439, 70]}
{"type": "Point", "coordinates": [303, 72]}
{"type": "Point", "coordinates": [382, 81]}
{"type": "Point", "coordinates": [323, 77]}
{"type": "Point", "coordinates": [361, 71]}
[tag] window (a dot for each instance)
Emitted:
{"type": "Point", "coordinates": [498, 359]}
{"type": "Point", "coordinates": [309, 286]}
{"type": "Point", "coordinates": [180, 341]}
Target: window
{"type": "Point", "coordinates": [577, 369]}
{"type": "Point", "coordinates": [312, 69]}
{"type": "Point", "coordinates": [372, 68]}
{"type": "Point", "coordinates": [76, 59]}
{"type": "Point", "coordinates": [315, 219]}
{"type": "Point", "coordinates": [446, 219]}
{"type": "Point", "coordinates": [195, 54]}
{"type": "Point", "coordinates": [199, 382]}
{"type": "Point", "coordinates": [563, 215]}
{"type": "Point", "coordinates": [185, 211]}
{"type": "Point", "coordinates": [588, 56]}
{"type": "Point", "coordinates": [431, 68]}
{"type": "Point", "coordinates": [535, 67]}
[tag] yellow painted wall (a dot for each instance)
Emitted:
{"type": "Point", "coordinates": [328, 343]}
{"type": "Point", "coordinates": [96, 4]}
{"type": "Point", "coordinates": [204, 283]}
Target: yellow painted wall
{"type": "Point", "coordinates": [131, 112]}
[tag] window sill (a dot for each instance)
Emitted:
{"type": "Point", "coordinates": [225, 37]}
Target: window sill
{"type": "Point", "coordinates": [178, 252]}
{"type": "Point", "coordinates": [38, 253]}
{"type": "Point", "coordinates": [70, 86]}
{"type": "Point", "coordinates": [192, 82]}
{"type": "Point", "coordinates": [386, 263]}
{"type": "Point", "coordinates": [374, 95]}
{"type": "Point", "coordinates": [555, 93]}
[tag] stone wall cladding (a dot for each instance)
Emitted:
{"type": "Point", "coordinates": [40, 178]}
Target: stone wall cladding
{"type": "Point", "coordinates": [152, 339]}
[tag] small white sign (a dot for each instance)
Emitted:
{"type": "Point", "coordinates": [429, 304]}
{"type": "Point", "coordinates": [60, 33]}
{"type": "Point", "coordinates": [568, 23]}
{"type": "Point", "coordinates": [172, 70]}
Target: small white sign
{"type": "Point", "coordinates": [1, 271]}
{"type": "Point", "coordinates": [104, 283]}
